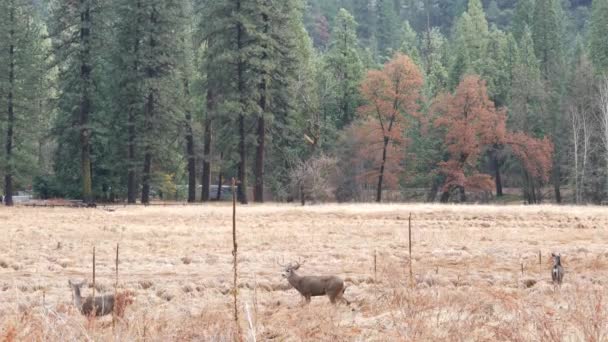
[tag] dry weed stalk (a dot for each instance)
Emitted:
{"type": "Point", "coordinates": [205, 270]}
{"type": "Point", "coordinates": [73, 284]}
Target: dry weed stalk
{"type": "Point", "coordinates": [375, 266]}
{"type": "Point", "coordinates": [235, 260]}
{"type": "Point", "coordinates": [409, 229]}
{"type": "Point", "coordinates": [115, 291]}
{"type": "Point", "coordinates": [93, 314]}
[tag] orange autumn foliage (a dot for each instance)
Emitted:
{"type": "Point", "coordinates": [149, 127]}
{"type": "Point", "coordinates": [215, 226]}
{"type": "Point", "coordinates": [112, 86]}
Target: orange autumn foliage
{"type": "Point", "coordinates": [472, 123]}
{"type": "Point", "coordinates": [368, 146]}
{"type": "Point", "coordinates": [536, 155]}
{"type": "Point", "coordinates": [392, 97]}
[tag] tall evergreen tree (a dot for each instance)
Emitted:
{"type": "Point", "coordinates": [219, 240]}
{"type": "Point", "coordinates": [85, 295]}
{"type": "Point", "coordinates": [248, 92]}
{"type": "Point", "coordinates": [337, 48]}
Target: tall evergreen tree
{"type": "Point", "coordinates": [278, 33]}
{"type": "Point", "coordinates": [547, 34]}
{"type": "Point", "coordinates": [22, 76]}
{"type": "Point", "coordinates": [130, 20]}
{"type": "Point", "coordinates": [470, 43]}
{"type": "Point", "coordinates": [344, 64]}
{"type": "Point", "coordinates": [77, 38]}
{"type": "Point", "coordinates": [599, 36]}
{"type": "Point", "coordinates": [233, 50]}
{"type": "Point", "coordinates": [524, 16]}
{"type": "Point", "coordinates": [161, 51]}
{"type": "Point", "coordinates": [85, 99]}
{"type": "Point", "coordinates": [387, 28]}
{"type": "Point", "coordinates": [364, 15]}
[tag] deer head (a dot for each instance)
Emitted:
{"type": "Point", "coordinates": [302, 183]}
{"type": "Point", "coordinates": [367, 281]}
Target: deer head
{"type": "Point", "coordinates": [557, 258]}
{"type": "Point", "coordinates": [289, 269]}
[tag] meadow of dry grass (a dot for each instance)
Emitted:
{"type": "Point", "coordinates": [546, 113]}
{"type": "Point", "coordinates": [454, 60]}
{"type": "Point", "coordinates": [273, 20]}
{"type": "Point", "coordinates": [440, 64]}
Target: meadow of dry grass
{"type": "Point", "coordinates": [467, 263]}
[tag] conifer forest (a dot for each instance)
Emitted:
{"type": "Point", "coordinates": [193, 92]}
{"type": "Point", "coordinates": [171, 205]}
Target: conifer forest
{"type": "Point", "coordinates": [134, 101]}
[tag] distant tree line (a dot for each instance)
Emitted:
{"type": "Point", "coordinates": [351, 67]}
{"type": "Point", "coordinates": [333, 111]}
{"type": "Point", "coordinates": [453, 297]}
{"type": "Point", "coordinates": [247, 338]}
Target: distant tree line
{"type": "Point", "coordinates": [348, 100]}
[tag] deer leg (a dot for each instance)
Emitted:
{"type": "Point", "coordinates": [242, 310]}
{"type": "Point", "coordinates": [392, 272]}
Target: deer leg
{"type": "Point", "coordinates": [307, 299]}
{"type": "Point", "coordinates": [341, 297]}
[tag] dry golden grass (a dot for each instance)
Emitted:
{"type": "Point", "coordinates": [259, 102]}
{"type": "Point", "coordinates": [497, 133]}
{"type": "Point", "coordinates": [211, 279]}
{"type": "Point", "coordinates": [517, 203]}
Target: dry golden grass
{"type": "Point", "coordinates": [177, 261]}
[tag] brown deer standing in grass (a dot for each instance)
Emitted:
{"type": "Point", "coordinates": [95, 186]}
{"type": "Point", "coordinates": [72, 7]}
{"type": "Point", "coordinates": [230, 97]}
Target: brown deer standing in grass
{"type": "Point", "coordinates": [104, 305]}
{"type": "Point", "coordinates": [557, 273]}
{"type": "Point", "coordinates": [313, 286]}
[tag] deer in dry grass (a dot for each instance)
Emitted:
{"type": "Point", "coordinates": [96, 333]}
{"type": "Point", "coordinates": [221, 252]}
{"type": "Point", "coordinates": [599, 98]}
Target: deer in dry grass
{"type": "Point", "coordinates": [557, 273]}
{"type": "Point", "coordinates": [313, 286]}
{"type": "Point", "coordinates": [104, 305]}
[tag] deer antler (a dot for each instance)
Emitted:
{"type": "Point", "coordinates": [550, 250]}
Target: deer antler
{"type": "Point", "coordinates": [280, 264]}
{"type": "Point", "coordinates": [299, 263]}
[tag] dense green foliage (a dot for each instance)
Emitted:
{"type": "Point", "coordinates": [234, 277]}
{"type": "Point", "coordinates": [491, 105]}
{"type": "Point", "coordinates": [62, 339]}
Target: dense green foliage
{"type": "Point", "coordinates": [133, 100]}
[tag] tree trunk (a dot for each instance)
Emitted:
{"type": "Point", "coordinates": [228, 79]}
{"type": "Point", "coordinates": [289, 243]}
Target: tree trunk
{"type": "Point", "coordinates": [381, 175]}
{"type": "Point", "coordinates": [432, 194]}
{"type": "Point", "coordinates": [242, 167]}
{"type": "Point", "coordinates": [258, 190]}
{"type": "Point", "coordinates": [302, 195]}
{"type": "Point", "coordinates": [131, 186]}
{"type": "Point", "coordinates": [131, 181]}
{"type": "Point", "coordinates": [8, 177]}
{"type": "Point", "coordinates": [463, 195]}
{"type": "Point", "coordinates": [206, 180]}
{"type": "Point", "coordinates": [445, 196]}
{"type": "Point", "coordinates": [218, 196]}
{"type": "Point", "coordinates": [145, 192]}
{"type": "Point", "coordinates": [258, 193]}
{"type": "Point", "coordinates": [557, 183]}
{"type": "Point", "coordinates": [498, 178]}
{"type": "Point", "coordinates": [190, 149]}
{"type": "Point", "coordinates": [85, 102]}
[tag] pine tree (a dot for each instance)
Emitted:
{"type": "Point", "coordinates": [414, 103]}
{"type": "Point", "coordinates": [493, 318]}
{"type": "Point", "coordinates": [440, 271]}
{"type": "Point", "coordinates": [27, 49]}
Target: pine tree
{"type": "Point", "coordinates": [547, 34]}
{"type": "Point", "coordinates": [85, 99]}
{"type": "Point", "coordinates": [233, 52]}
{"type": "Point", "coordinates": [129, 55]}
{"type": "Point", "coordinates": [387, 28]}
{"type": "Point", "coordinates": [278, 32]}
{"type": "Point", "coordinates": [471, 41]}
{"type": "Point", "coordinates": [409, 43]}
{"type": "Point", "coordinates": [599, 36]}
{"type": "Point", "coordinates": [524, 16]}
{"type": "Point", "coordinates": [344, 65]}
{"type": "Point", "coordinates": [186, 69]}
{"type": "Point", "coordinates": [527, 98]}
{"type": "Point", "coordinates": [161, 51]}
{"type": "Point", "coordinates": [364, 15]}
{"type": "Point", "coordinates": [77, 39]}
{"type": "Point", "coordinates": [22, 77]}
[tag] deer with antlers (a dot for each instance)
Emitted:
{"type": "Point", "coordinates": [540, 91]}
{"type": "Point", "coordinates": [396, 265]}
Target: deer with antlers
{"type": "Point", "coordinates": [313, 286]}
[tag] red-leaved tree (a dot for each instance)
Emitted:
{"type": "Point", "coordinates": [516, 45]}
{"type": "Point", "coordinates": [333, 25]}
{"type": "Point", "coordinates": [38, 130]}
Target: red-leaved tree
{"type": "Point", "coordinates": [473, 124]}
{"type": "Point", "coordinates": [392, 96]}
{"type": "Point", "coordinates": [536, 157]}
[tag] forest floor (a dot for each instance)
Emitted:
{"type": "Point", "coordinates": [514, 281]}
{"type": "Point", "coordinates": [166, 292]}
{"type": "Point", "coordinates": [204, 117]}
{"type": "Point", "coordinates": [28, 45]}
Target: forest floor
{"type": "Point", "coordinates": [467, 265]}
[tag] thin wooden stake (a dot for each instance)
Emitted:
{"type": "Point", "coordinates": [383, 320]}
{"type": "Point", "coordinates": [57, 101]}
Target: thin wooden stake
{"type": "Point", "coordinates": [94, 308]}
{"type": "Point", "coordinates": [115, 292]}
{"type": "Point", "coordinates": [375, 267]}
{"type": "Point", "coordinates": [145, 325]}
{"type": "Point", "coordinates": [540, 263]}
{"type": "Point", "coordinates": [522, 269]}
{"type": "Point", "coordinates": [235, 260]}
{"type": "Point", "coordinates": [409, 229]}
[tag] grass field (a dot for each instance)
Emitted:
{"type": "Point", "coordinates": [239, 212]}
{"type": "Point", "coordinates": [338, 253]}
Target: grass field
{"type": "Point", "coordinates": [467, 264]}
